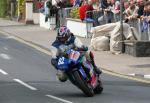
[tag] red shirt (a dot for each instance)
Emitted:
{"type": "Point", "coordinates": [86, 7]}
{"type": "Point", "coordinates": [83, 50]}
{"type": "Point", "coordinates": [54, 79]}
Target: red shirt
{"type": "Point", "coordinates": [82, 12]}
{"type": "Point", "coordinates": [39, 5]}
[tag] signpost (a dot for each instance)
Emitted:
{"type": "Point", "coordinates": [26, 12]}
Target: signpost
{"type": "Point", "coordinates": [121, 25]}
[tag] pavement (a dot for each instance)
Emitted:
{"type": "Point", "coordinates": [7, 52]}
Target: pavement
{"type": "Point", "coordinates": [121, 63]}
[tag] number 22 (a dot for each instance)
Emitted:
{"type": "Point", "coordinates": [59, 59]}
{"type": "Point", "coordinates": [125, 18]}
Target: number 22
{"type": "Point", "coordinates": [61, 61]}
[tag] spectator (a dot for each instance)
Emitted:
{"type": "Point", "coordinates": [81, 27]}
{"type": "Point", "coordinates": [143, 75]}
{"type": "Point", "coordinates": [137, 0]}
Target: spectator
{"type": "Point", "coordinates": [89, 9]}
{"type": "Point", "coordinates": [148, 3]}
{"type": "Point", "coordinates": [81, 2]}
{"type": "Point", "coordinates": [108, 14]}
{"type": "Point", "coordinates": [117, 10]}
{"type": "Point", "coordinates": [98, 11]}
{"type": "Point", "coordinates": [60, 4]}
{"type": "Point", "coordinates": [109, 10]}
{"type": "Point", "coordinates": [82, 10]}
{"type": "Point", "coordinates": [117, 7]}
{"type": "Point", "coordinates": [146, 14]}
{"type": "Point", "coordinates": [46, 10]}
{"type": "Point", "coordinates": [126, 5]}
{"type": "Point", "coordinates": [104, 4]}
{"type": "Point", "coordinates": [71, 2]}
{"type": "Point", "coordinates": [76, 3]}
{"type": "Point", "coordinates": [140, 4]}
{"type": "Point", "coordinates": [39, 4]}
{"type": "Point", "coordinates": [148, 11]}
{"type": "Point", "coordinates": [96, 4]}
{"type": "Point", "coordinates": [132, 11]}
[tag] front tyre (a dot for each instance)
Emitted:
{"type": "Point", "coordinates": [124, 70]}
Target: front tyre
{"type": "Point", "coordinates": [82, 84]}
{"type": "Point", "coordinates": [99, 88]}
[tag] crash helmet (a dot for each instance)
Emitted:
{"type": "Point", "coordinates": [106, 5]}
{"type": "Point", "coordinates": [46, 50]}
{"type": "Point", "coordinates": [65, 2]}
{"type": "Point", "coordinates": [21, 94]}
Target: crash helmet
{"type": "Point", "coordinates": [63, 34]}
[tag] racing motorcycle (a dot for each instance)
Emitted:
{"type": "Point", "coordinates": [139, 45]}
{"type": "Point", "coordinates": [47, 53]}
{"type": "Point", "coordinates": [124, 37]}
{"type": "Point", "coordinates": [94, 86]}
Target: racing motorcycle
{"type": "Point", "coordinates": [80, 73]}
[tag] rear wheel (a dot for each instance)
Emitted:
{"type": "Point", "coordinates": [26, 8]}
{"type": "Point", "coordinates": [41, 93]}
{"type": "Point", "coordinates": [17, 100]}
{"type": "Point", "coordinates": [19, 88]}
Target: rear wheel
{"type": "Point", "coordinates": [81, 83]}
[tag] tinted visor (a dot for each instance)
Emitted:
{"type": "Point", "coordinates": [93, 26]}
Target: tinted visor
{"type": "Point", "coordinates": [62, 39]}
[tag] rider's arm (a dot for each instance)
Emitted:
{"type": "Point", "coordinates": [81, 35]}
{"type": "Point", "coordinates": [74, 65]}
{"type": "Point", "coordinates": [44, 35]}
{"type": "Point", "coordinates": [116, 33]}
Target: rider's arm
{"type": "Point", "coordinates": [54, 52]}
{"type": "Point", "coordinates": [78, 43]}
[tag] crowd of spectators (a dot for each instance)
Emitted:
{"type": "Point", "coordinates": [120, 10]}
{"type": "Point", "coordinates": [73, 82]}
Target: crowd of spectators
{"type": "Point", "coordinates": [138, 9]}
{"type": "Point", "coordinates": [108, 9]}
{"type": "Point", "coordinates": [132, 9]}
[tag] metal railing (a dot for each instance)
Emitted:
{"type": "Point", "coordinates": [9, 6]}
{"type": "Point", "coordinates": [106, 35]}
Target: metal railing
{"type": "Point", "coordinates": [144, 34]}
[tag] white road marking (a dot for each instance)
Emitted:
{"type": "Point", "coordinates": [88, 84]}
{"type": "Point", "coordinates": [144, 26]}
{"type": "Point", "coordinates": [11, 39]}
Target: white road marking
{"type": "Point", "coordinates": [56, 98]}
{"type": "Point", "coordinates": [4, 56]}
{"type": "Point", "coordinates": [132, 74]}
{"type": "Point", "coordinates": [10, 37]}
{"type": "Point", "coordinates": [3, 72]}
{"type": "Point", "coordinates": [24, 84]}
{"type": "Point", "coordinates": [5, 48]}
{"type": "Point", "coordinates": [125, 76]}
{"type": "Point", "coordinates": [147, 76]}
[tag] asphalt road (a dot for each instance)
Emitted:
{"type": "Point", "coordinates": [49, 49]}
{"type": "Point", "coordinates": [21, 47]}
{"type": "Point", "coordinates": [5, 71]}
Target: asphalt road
{"type": "Point", "coordinates": [26, 76]}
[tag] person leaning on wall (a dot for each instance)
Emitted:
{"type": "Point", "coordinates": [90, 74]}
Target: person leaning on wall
{"type": "Point", "coordinates": [132, 11]}
{"type": "Point", "coordinates": [146, 13]}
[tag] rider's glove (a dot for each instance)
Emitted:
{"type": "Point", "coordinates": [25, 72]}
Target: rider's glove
{"type": "Point", "coordinates": [84, 48]}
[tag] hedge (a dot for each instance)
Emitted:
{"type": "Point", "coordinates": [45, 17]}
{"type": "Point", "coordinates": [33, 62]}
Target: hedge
{"type": "Point", "coordinates": [3, 8]}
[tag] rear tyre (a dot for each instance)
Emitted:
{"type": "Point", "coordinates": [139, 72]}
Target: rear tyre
{"type": "Point", "coordinates": [81, 83]}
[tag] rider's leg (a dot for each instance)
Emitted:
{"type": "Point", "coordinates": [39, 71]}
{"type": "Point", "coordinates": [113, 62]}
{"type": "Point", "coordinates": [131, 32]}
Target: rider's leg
{"type": "Point", "coordinates": [90, 58]}
{"type": "Point", "coordinates": [61, 76]}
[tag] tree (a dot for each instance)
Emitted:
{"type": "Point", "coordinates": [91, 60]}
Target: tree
{"type": "Point", "coordinates": [3, 8]}
{"type": "Point", "coordinates": [21, 5]}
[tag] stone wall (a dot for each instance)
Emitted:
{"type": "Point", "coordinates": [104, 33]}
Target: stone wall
{"type": "Point", "coordinates": [138, 48]}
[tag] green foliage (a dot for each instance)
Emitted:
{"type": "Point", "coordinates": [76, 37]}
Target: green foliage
{"type": "Point", "coordinates": [75, 13]}
{"type": "Point", "coordinates": [3, 8]}
{"type": "Point", "coordinates": [21, 6]}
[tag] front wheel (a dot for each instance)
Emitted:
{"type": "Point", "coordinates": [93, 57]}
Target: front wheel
{"type": "Point", "coordinates": [82, 84]}
{"type": "Point", "coordinates": [99, 88]}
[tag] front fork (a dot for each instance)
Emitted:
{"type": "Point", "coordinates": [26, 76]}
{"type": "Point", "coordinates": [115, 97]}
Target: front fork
{"type": "Point", "coordinates": [80, 70]}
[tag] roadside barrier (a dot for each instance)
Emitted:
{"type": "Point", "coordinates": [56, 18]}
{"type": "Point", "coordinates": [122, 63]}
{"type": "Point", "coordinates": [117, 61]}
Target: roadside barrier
{"type": "Point", "coordinates": [149, 31]}
{"type": "Point", "coordinates": [142, 28]}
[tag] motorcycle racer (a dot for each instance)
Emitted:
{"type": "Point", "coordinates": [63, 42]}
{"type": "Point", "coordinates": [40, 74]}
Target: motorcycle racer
{"type": "Point", "coordinates": [67, 38]}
